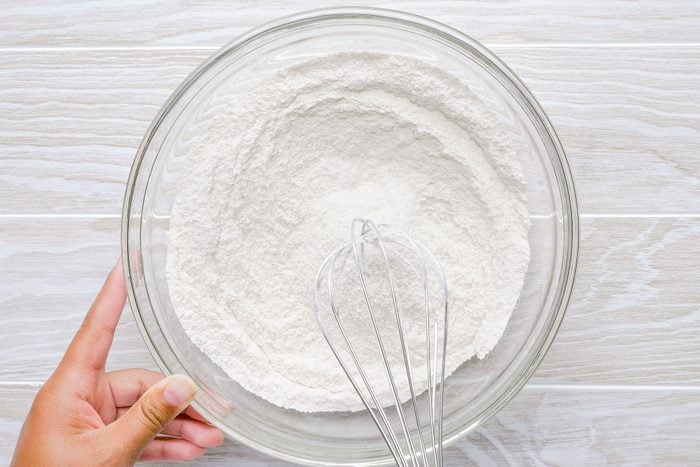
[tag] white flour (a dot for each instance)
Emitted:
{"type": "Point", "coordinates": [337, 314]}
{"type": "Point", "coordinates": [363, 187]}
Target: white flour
{"type": "Point", "coordinates": [271, 186]}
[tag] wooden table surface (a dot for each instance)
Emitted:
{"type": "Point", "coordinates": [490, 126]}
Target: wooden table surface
{"type": "Point", "coordinates": [80, 81]}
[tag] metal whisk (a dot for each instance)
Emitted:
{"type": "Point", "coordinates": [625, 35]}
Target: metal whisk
{"type": "Point", "coordinates": [389, 248]}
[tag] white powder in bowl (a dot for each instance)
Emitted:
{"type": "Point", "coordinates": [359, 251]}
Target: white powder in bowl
{"type": "Point", "coordinates": [270, 188]}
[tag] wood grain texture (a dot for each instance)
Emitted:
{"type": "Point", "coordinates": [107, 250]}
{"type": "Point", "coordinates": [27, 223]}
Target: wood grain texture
{"type": "Point", "coordinates": [71, 124]}
{"type": "Point", "coordinates": [634, 316]}
{"type": "Point", "coordinates": [66, 144]}
{"type": "Point", "coordinates": [51, 272]}
{"type": "Point", "coordinates": [629, 120]}
{"type": "Point", "coordinates": [540, 426]}
{"type": "Point", "coordinates": [183, 23]}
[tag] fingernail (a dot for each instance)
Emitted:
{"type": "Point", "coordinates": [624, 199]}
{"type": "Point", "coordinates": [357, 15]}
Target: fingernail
{"type": "Point", "coordinates": [179, 389]}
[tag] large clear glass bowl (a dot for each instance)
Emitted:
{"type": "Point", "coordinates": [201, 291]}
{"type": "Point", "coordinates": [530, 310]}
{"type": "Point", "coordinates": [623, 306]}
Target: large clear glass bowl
{"type": "Point", "coordinates": [479, 388]}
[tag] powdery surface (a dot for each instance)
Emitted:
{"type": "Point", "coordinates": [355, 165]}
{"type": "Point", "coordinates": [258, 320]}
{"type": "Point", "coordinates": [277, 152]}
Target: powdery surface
{"type": "Point", "coordinates": [270, 189]}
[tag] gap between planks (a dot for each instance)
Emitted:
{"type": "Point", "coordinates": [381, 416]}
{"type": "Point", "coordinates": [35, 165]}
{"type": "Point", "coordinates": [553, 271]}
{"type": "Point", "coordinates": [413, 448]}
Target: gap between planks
{"type": "Point", "coordinates": [528, 386]}
{"type": "Point", "coordinates": [494, 45]}
{"type": "Point", "coordinates": [581, 216]}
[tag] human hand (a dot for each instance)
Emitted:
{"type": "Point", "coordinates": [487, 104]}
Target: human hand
{"type": "Point", "coordinates": [83, 415]}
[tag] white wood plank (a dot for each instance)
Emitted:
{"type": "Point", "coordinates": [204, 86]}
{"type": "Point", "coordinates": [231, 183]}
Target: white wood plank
{"type": "Point", "coordinates": [540, 426]}
{"type": "Point", "coordinates": [51, 272]}
{"type": "Point", "coordinates": [629, 120]}
{"type": "Point", "coordinates": [135, 23]}
{"type": "Point", "coordinates": [635, 312]}
{"type": "Point", "coordinates": [72, 123]}
{"type": "Point", "coordinates": [633, 318]}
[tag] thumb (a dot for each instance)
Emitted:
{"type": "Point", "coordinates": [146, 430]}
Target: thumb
{"type": "Point", "coordinates": [157, 407]}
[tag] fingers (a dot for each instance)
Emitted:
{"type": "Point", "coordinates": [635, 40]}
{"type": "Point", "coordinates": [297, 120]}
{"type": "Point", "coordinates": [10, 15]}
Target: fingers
{"type": "Point", "coordinates": [91, 344]}
{"type": "Point", "coordinates": [196, 432]}
{"type": "Point", "coordinates": [171, 449]}
{"type": "Point", "coordinates": [129, 385]}
{"type": "Point", "coordinates": [156, 408]}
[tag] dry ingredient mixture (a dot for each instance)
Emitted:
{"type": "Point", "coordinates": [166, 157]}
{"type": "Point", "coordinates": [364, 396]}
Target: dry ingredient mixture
{"type": "Point", "coordinates": [269, 190]}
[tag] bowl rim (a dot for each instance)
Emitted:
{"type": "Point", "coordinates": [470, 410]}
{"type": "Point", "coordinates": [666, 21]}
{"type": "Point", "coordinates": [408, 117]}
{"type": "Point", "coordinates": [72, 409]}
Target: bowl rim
{"type": "Point", "coordinates": [567, 192]}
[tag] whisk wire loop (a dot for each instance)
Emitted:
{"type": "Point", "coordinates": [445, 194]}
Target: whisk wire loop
{"type": "Point", "coordinates": [358, 366]}
{"type": "Point", "coordinates": [369, 226]}
{"type": "Point", "coordinates": [403, 248]}
{"type": "Point", "coordinates": [436, 406]}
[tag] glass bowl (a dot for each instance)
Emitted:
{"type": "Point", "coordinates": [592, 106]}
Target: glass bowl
{"type": "Point", "coordinates": [479, 388]}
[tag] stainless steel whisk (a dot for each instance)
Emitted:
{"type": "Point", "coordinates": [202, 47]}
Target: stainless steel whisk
{"type": "Point", "coordinates": [389, 244]}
